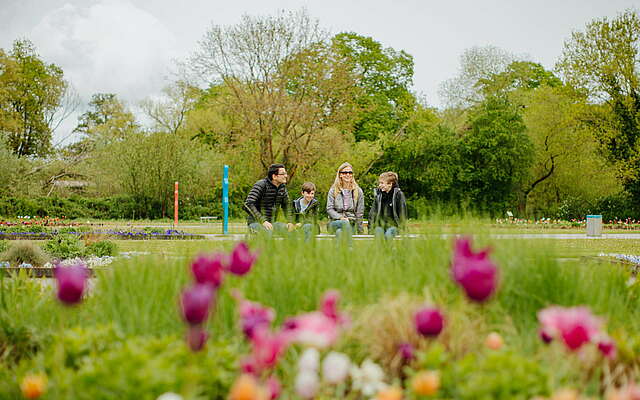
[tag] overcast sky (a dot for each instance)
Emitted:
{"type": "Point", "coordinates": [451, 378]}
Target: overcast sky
{"type": "Point", "coordinates": [127, 47]}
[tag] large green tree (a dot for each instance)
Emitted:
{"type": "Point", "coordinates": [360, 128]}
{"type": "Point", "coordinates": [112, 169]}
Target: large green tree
{"type": "Point", "coordinates": [32, 96]}
{"type": "Point", "coordinates": [604, 61]}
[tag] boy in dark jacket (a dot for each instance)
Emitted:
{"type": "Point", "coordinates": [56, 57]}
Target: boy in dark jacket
{"type": "Point", "coordinates": [305, 210]}
{"type": "Point", "coordinates": [389, 210]}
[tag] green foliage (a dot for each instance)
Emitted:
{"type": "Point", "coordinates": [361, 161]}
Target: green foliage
{"type": "Point", "coordinates": [4, 245]}
{"type": "Point", "coordinates": [65, 246]}
{"type": "Point", "coordinates": [24, 252]}
{"type": "Point", "coordinates": [32, 92]}
{"type": "Point", "coordinates": [102, 248]}
{"type": "Point", "coordinates": [25, 229]}
{"type": "Point", "coordinates": [495, 153]}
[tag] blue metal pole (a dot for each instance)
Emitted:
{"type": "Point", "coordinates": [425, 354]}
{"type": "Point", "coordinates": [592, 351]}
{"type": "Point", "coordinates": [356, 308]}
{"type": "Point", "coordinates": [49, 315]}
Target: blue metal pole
{"type": "Point", "coordinates": [225, 200]}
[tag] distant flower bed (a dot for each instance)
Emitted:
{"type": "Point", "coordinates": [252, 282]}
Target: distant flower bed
{"type": "Point", "coordinates": [169, 234]}
{"type": "Point", "coordinates": [623, 224]}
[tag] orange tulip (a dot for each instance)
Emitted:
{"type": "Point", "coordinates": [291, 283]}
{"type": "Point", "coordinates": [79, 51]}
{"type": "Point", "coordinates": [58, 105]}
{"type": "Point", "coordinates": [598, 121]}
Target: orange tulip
{"type": "Point", "coordinates": [33, 386]}
{"type": "Point", "coordinates": [494, 341]}
{"type": "Point", "coordinates": [390, 393]}
{"type": "Point", "coordinates": [426, 383]}
{"type": "Point", "coordinates": [246, 388]}
{"type": "Point", "coordinates": [565, 394]}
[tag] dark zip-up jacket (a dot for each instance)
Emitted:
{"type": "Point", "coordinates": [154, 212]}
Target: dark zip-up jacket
{"type": "Point", "coordinates": [263, 201]}
{"type": "Point", "coordinates": [398, 204]}
{"type": "Point", "coordinates": [309, 215]}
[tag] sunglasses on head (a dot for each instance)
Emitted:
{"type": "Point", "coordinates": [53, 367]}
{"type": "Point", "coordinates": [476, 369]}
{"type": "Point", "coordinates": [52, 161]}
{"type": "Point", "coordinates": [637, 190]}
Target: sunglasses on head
{"type": "Point", "coordinates": [346, 172]}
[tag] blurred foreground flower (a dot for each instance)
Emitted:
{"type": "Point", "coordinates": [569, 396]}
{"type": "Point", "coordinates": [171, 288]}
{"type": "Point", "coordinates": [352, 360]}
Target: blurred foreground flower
{"type": "Point", "coordinates": [429, 322]}
{"type": "Point", "coordinates": [576, 326]}
{"type": "Point", "coordinates": [474, 272]}
{"type": "Point", "coordinates": [335, 367]}
{"type": "Point", "coordinates": [368, 378]}
{"type": "Point", "coordinates": [426, 383]}
{"type": "Point", "coordinates": [246, 387]}
{"type": "Point", "coordinates": [318, 328]}
{"type": "Point", "coordinates": [209, 269]}
{"type": "Point", "coordinates": [307, 384]}
{"type": "Point", "coordinates": [494, 341]}
{"type": "Point", "coordinates": [196, 338]}
{"type": "Point", "coordinates": [71, 283]}
{"type": "Point", "coordinates": [195, 303]}
{"type": "Point", "coordinates": [33, 386]}
{"type": "Point", "coordinates": [253, 315]}
{"type": "Point", "coordinates": [390, 393]}
{"type": "Point", "coordinates": [241, 259]}
{"type": "Point", "coordinates": [169, 396]}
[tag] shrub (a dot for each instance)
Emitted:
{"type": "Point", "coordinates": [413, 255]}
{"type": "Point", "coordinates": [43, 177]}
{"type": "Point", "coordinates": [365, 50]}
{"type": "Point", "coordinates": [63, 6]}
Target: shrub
{"type": "Point", "coordinates": [102, 248]}
{"type": "Point", "coordinates": [74, 229]}
{"type": "Point", "coordinates": [149, 229]}
{"type": "Point", "coordinates": [64, 246]}
{"type": "Point", "coordinates": [24, 252]}
{"type": "Point", "coordinates": [4, 245]}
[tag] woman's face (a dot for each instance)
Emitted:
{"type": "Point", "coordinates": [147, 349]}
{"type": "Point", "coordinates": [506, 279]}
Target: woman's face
{"type": "Point", "coordinates": [346, 174]}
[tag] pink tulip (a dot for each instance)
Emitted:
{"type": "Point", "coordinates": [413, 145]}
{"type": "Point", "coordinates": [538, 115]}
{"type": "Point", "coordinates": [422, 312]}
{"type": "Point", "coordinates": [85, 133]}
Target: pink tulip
{"type": "Point", "coordinates": [196, 338]}
{"type": "Point", "coordinates": [608, 348]}
{"type": "Point", "coordinates": [477, 275]}
{"type": "Point", "coordinates": [429, 322]}
{"type": "Point", "coordinates": [407, 352]}
{"type": "Point", "coordinates": [575, 326]}
{"type": "Point", "coordinates": [274, 387]}
{"type": "Point", "coordinates": [241, 259]}
{"type": "Point", "coordinates": [254, 316]}
{"type": "Point", "coordinates": [196, 302]}
{"type": "Point", "coordinates": [267, 347]}
{"type": "Point", "coordinates": [318, 328]}
{"type": "Point", "coordinates": [71, 283]}
{"type": "Point", "coordinates": [208, 269]}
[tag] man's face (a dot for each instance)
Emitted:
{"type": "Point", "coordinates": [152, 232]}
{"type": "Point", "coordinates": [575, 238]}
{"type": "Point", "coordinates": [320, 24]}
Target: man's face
{"type": "Point", "coordinates": [308, 196]}
{"type": "Point", "coordinates": [385, 186]}
{"type": "Point", "coordinates": [280, 177]}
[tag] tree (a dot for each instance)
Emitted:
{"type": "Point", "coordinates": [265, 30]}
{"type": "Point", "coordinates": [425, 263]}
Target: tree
{"type": "Point", "coordinates": [286, 94]}
{"type": "Point", "coordinates": [384, 76]}
{"type": "Point", "coordinates": [476, 63]}
{"type": "Point", "coordinates": [604, 61]}
{"type": "Point", "coordinates": [106, 120]}
{"type": "Point", "coordinates": [169, 112]}
{"type": "Point", "coordinates": [496, 154]}
{"type": "Point", "coordinates": [32, 97]}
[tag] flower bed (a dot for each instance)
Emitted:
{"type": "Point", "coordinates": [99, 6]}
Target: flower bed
{"type": "Point", "coordinates": [169, 234]}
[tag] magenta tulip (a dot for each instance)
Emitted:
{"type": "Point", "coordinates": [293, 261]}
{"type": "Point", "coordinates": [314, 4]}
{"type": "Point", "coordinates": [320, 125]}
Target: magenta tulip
{"type": "Point", "coordinates": [608, 348]}
{"type": "Point", "coordinates": [274, 387]}
{"type": "Point", "coordinates": [429, 322]}
{"type": "Point", "coordinates": [546, 337]}
{"type": "Point", "coordinates": [254, 316]}
{"type": "Point", "coordinates": [241, 259]}
{"type": "Point", "coordinates": [576, 326]}
{"type": "Point", "coordinates": [475, 272]}
{"type": "Point", "coordinates": [71, 282]}
{"type": "Point", "coordinates": [208, 269]}
{"type": "Point", "coordinates": [196, 302]}
{"type": "Point", "coordinates": [407, 352]}
{"type": "Point", "coordinates": [196, 338]}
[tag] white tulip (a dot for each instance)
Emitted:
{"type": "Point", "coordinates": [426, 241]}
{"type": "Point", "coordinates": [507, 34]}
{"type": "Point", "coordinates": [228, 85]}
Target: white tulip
{"type": "Point", "coordinates": [335, 367]}
{"type": "Point", "coordinates": [309, 360]}
{"type": "Point", "coordinates": [307, 384]}
{"type": "Point", "coordinates": [169, 396]}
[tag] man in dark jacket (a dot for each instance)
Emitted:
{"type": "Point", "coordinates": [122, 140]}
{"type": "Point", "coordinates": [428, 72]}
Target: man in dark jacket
{"type": "Point", "coordinates": [265, 198]}
{"type": "Point", "coordinates": [305, 210]}
{"type": "Point", "coordinates": [389, 210]}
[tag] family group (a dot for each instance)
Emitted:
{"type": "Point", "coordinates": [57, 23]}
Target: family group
{"type": "Point", "coordinates": [345, 205]}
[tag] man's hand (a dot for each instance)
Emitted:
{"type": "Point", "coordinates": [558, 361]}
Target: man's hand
{"type": "Point", "coordinates": [344, 219]}
{"type": "Point", "coordinates": [298, 225]}
{"type": "Point", "coordinates": [290, 227]}
{"type": "Point", "coordinates": [267, 225]}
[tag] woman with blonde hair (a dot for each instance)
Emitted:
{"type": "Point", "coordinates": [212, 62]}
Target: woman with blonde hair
{"type": "Point", "coordinates": [345, 202]}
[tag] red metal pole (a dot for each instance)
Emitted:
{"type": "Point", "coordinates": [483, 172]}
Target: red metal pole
{"type": "Point", "coordinates": [175, 206]}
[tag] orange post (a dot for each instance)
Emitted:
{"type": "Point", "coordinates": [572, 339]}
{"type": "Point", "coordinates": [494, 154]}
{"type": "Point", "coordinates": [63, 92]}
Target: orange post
{"type": "Point", "coordinates": [175, 206]}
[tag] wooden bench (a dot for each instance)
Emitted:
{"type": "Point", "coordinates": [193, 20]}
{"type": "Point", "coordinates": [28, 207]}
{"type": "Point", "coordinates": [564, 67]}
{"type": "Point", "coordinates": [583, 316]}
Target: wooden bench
{"type": "Point", "coordinates": [207, 219]}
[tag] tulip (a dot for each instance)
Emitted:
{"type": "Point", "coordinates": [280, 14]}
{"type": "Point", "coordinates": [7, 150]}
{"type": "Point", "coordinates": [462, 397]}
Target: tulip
{"type": "Point", "coordinates": [429, 322]}
{"type": "Point", "coordinates": [307, 384]}
{"type": "Point", "coordinates": [494, 341]}
{"type": "Point", "coordinates": [335, 367]}
{"type": "Point", "coordinates": [274, 387]}
{"type": "Point", "coordinates": [608, 348]}
{"type": "Point", "coordinates": [390, 393]}
{"type": "Point", "coordinates": [241, 259]}
{"type": "Point", "coordinates": [196, 338]}
{"type": "Point", "coordinates": [267, 347]}
{"type": "Point", "coordinates": [407, 352]}
{"type": "Point", "coordinates": [208, 269]}
{"type": "Point", "coordinates": [71, 282]}
{"type": "Point", "coordinates": [246, 388]}
{"type": "Point", "coordinates": [368, 378]}
{"type": "Point", "coordinates": [196, 302]}
{"type": "Point", "coordinates": [545, 336]}
{"type": "Point", "coordinates": [309, 360]}
{"type": "Point", "coordinates": [575, 326]}
{"type": "Point", "coordinates": [426, 383]}
{"type": "Point", "coordinates": [477, 275]}
{"type": "Point", "coordinates": [254, 316]}
{"type": "Point", "coordinates": [318, 328]}
{"type": "Point", "coordinates": [33, 386]}
{"type": "Point", "coordinates": [169, 396]}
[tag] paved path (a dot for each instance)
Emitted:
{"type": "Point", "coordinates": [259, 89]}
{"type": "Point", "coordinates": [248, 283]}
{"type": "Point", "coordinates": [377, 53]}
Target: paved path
{"type": "Point", "coordinates": [557, 236]}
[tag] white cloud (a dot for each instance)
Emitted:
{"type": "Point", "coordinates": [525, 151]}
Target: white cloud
{"type": "Point", "coordinates": [107, 46]}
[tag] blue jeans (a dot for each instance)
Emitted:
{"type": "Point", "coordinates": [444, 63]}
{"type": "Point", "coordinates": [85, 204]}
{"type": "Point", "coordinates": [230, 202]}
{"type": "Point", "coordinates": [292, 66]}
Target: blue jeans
{"type": "Point", "coordinates": [279, 228]}
{"type": "Point", "coordinates": [389, 233]}
{"type": "Point", "coordinates": [342, 230]}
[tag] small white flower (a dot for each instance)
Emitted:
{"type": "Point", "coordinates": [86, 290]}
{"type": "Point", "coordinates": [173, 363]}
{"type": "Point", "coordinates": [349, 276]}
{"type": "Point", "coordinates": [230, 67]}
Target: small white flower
{"type": "Point", "coordinates": [307, 384]}
{"type": "Point", "coordinates": [368, 379]}
{"type": "Point", "coordinates": [169, 396]}
{"type": "Point", "coordinates": [309, 360]}
{"type": "Point", "coordinates": [335, 367]}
